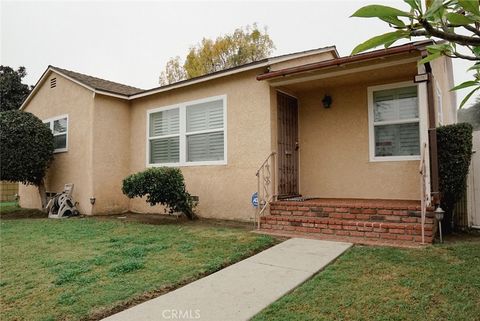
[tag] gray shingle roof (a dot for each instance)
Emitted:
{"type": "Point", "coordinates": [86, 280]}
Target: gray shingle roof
{"type": "Point", "coordinates": [99, 84]}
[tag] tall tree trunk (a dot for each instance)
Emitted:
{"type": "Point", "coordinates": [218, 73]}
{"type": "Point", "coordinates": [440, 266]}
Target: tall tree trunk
{"type": "Point", "coordinates": [43, 195]}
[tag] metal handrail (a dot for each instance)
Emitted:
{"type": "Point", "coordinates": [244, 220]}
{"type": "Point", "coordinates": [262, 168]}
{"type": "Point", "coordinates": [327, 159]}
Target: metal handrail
{"type": "Point", "coordinates": [265, 185]}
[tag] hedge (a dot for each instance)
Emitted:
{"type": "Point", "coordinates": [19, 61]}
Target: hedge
{"type": "Point", "coordinates": [454, 143]}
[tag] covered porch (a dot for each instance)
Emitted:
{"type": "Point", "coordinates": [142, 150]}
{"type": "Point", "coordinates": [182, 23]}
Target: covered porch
{"type": "Point", "coordinates": [350, 151]}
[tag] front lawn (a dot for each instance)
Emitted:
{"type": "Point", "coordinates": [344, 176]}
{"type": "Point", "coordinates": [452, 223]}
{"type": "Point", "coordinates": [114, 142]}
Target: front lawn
{"type": "Point", "coordinates": [437, 283]}
{"type": "Point", "coordinates": [85, 268]}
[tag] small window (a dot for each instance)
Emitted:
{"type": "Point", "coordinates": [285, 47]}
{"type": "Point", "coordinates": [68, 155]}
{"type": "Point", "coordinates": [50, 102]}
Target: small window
{"type": "Point", "coordinates": [192, 133]}
{"type": "Point", "coordinates": [53, 82]}
{"type": "Point", "coordinates": [165, 137]}
{"type": "Point", "coordinates": [394, 122]}
{"type": "Point", "coordinates": [59, 128]}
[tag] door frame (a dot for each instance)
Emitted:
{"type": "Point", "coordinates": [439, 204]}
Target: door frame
{"type": "Point", "coordinates": [297, 152]}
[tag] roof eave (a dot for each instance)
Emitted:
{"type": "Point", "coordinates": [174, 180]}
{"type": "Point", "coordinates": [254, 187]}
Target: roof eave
{"type": "Point", "coordinates": [259, 64]}
{"type": "Point", "coordinates": [342, 60]}
{"type": "Point", "coordinates": [53, 69]}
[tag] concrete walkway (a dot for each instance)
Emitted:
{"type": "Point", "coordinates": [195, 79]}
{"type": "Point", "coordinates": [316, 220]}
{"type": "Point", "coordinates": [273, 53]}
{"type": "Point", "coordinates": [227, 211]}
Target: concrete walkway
{"type": "Point", "coordinates": [241, 290]}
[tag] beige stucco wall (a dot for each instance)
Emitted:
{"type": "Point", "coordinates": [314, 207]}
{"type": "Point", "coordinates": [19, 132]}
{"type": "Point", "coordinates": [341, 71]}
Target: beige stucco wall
{"type": "Point", "coordinates": [224, 190]}
{"type": "Point", "coordinates": [334, 144]}
{"type": "Point", "coordinates": [443, 74]}
{"type": "Point", "coordinates": [111, 154]}
{"type": "Point", "coordinates": [74, 165]}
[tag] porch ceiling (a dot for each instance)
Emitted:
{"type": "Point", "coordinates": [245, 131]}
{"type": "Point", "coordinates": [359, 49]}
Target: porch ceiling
{"type": "Point", "coordinates": [401, 67]}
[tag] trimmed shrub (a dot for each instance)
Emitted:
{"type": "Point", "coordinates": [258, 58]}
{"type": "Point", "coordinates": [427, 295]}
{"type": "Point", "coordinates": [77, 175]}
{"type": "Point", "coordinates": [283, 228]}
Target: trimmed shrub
{"type": "Point", "coordinates": [161, 185]}
{"type": "Point", "coordinates": [27, 149]}
{"type": "Point", "coordinates": [454, 143]}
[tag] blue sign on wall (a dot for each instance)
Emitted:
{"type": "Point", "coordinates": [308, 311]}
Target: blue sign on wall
{"type": "Point", "coordinates": [255, 199]}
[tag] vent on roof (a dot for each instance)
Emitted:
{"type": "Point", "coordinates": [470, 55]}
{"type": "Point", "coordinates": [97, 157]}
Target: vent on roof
{"type": "Point", "coordinates": [53, 82]}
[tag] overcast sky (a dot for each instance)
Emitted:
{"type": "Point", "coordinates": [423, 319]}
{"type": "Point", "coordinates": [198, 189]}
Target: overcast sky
{"type": "Point", "coordinates": [130, 42]}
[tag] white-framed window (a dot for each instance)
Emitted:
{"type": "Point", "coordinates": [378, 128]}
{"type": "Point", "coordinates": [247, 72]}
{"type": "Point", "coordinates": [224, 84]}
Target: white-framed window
{"type": "Point", "coordinates": [59, 127]}
{"type": "Point", "coordinates": [394, 122]}
{"type": "Point", "coordinates": [191, 133]}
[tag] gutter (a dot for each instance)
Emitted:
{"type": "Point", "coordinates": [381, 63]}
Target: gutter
{"type": "Point", "coordinates": [339, 61]}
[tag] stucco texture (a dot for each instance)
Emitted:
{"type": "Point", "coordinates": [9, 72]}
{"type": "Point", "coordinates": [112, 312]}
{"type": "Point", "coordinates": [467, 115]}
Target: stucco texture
{"type": "Point", "coordinates": [73, 166]}
{"type": "Point", "coordinates": [224, 190]}
{"type": "Point", "coordinates": [107, 140]}
{"type": "Point", "coordinates": [334, 142]}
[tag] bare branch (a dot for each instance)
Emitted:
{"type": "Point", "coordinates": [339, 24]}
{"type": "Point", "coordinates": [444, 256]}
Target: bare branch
{"type": "Point", "coordinates": [452, 37]}
{"type": "Point", "coordinates": [472, 29]}
{"type": "Point", "coordinates": [462, 56]}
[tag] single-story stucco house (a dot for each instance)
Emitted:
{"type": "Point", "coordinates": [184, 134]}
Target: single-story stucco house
{"type": "Point", "coordinates": [333, 140]}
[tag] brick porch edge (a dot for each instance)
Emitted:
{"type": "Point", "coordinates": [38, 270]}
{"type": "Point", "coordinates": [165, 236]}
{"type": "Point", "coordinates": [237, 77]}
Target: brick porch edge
{"type": "Point", "coordinates": [375, 221]}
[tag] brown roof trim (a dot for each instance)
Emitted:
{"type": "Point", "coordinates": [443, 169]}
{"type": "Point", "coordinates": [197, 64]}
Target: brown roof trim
{"type": "Point", "coordinates": [343, 60]}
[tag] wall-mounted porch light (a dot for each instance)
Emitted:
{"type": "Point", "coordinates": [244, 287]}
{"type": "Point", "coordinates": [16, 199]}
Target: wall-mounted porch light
{"type": "Point", "coordinates": [92, 200]}
{"type": "Point", "coordinates": [327, 101]}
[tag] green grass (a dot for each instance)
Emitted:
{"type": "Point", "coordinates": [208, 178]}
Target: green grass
{"type": "Point", "coordinates": [77, 268]}
{"type": "Point", "coordinates": [388, 284]}
{"type": "Point", "coordinates": [8, 207]}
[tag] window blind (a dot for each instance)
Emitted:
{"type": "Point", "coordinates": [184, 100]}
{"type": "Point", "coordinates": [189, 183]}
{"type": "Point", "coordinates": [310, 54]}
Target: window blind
{"type": "Point", "coordinates": [164, 123]}
{"type": "Point", "coordinates": [165, 150]}
{"type": "Point", "coordinates": [395, 104]}
{"type": "Point", "coordinates": [397, 140]}
{"type": "Point", "coordinates": [205, 147]}
{"type": "Point", "coordinates": [189, 133]}
{"type": "Point", "coordinates": [205, 116]}
{"type": "Point", "coordinates": [396, 122]}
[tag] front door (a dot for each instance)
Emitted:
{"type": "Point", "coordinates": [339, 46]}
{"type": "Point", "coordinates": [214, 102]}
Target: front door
{"type": "Point", "coordinates": [287, 123]}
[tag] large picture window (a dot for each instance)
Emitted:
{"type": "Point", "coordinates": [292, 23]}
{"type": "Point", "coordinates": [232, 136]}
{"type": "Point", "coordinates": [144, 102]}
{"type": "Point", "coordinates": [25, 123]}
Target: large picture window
{"type": "Point", "coordinates": [192, 133]}
{"type": "Point", "coordinates": [59, 127]}
{"type": "Point", "coordinates": [394, 122]}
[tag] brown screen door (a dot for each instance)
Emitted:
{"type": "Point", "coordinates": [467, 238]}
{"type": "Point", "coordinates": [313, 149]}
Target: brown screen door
{"type": "Point", "coordinates": [287, 145]}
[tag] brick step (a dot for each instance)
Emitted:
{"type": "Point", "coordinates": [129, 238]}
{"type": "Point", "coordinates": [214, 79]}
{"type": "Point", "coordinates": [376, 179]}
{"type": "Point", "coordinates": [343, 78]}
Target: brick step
{"type": "Point", "coordinates": [404, 230]}
{"type": "Point", "coordinates": [374, 215]}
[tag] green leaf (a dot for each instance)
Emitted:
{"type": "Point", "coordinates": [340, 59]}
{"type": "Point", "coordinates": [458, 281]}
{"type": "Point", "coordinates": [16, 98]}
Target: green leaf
{"type": "Point", "coordinates": [380, 40]}
{"type": "Point", "coordinates": [379, 11]}
{"type": "Point", "coordinates": [394, 21]}
{"type": "Point", "coordinates": [465, 84]}
{"type": "Point", "coordinates": [470, 6]}
{"type": "Point", "coordinates": [414, 5]}
{"type": "Point", "coordinates": [458, 19]}
{"type": "Point", "coordinates": [433, 8]}
{"type": "Point", "coordinates": [476, 51]}
{"type": "Point", "coordinates": [467, 97]}
{"type": "Point", "coordinates": [430, 57]}
{"type": "Point", "coordinates": [476, 66]}
{"type": "Point", "coordinates": [443, 47]}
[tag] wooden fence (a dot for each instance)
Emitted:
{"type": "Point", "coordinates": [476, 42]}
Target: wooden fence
{"type": "Point", "coordinates": [8, 191]}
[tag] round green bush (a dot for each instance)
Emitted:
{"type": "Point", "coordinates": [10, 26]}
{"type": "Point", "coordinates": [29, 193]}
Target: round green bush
{"type": "Point", "coordinates": [161, 185]}
{"type": "Point", "coordinates": [27, 147]}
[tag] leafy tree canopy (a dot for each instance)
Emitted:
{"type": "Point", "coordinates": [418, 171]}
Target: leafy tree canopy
{"type": "Point", "coordinates": [243, 46]}
{"type": "Point", "coordinates": [27, 149]}
{"type": "Point", "coordinates": [456, 22]}
{"type": "Point", "coordinates": [12, 91]}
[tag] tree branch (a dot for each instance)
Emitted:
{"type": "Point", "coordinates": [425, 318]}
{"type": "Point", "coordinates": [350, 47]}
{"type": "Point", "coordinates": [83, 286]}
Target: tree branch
{"type": "Point", "coordinates": [472, 29]}
{"type": "Point", "coordinates": [462, 56]}
{"type": "Point", "coordinates": [452, 37]}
